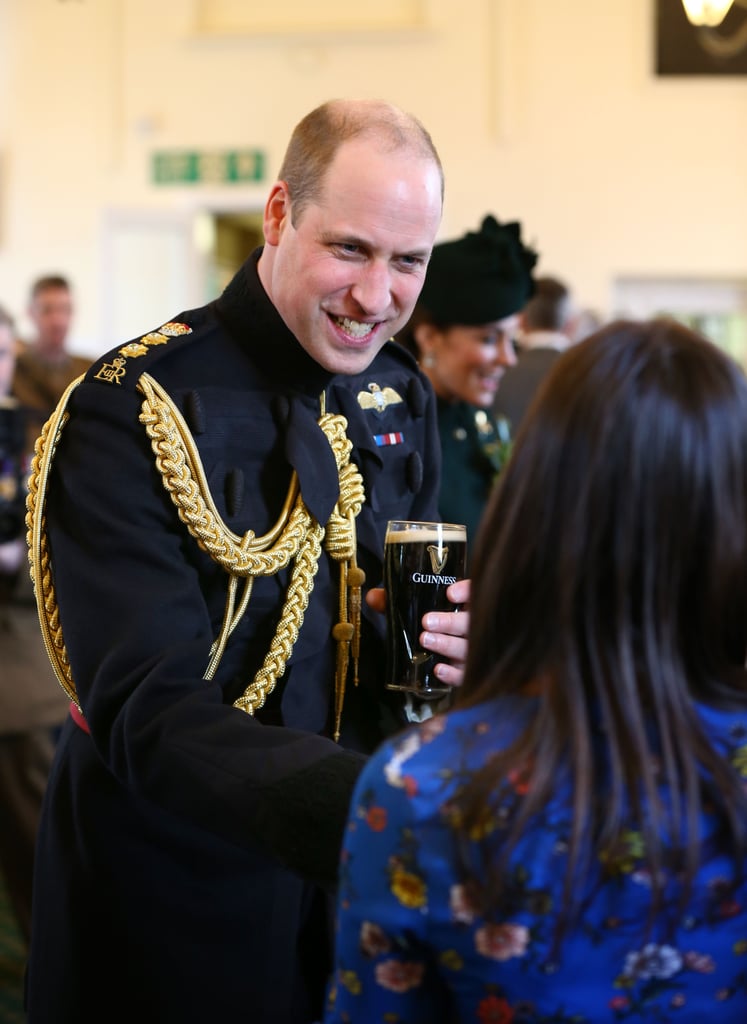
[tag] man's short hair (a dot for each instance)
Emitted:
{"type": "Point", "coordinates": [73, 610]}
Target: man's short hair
{"type": "Point", "coordinates": [318, 136]}
{"type": "Point", "coordinates": [50, 282]}
{"type": "Point", "coordinates": [549, 307]}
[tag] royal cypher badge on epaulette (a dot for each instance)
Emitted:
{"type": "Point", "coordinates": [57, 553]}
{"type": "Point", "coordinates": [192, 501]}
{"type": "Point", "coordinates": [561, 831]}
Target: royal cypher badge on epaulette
{"type": "Point", "coordinates": [113, 372]}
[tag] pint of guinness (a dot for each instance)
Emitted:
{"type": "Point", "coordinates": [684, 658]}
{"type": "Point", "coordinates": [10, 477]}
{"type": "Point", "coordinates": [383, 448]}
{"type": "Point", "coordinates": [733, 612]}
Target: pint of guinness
{"type": "Point", "coordinates": [420, 561]}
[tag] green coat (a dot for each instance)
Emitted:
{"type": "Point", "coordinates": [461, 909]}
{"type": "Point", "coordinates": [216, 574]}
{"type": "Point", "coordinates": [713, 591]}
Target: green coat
{"type": "Point", "coordinates": [474, 447]}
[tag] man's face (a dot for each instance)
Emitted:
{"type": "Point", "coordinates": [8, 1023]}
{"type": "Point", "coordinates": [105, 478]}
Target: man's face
{"type": "Point", "coordinates": [51, 311]}
{"type": "Point", "coordinates": [346, 277]}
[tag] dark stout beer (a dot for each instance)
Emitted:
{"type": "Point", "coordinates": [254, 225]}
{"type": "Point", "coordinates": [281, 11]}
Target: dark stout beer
{"type": "Point", "coordinates": [420, 561]}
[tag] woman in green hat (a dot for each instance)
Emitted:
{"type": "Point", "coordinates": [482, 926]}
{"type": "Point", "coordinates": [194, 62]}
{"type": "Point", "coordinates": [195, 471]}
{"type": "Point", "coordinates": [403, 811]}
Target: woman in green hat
{"type": "Point", "coordinates": [462, 334]}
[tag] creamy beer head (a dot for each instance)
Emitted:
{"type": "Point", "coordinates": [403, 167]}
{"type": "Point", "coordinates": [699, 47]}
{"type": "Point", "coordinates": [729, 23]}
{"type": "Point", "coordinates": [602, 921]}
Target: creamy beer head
{"type": "Point", "coordinates": [421, 560]}
{"type": "Point", "coordinates": [435, 533]}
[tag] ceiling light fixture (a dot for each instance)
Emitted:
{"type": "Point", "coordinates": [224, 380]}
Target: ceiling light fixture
{"type": "Point", "coordinates": [706, 15]}
{"type": "Point", "coordinates": [706, 12]}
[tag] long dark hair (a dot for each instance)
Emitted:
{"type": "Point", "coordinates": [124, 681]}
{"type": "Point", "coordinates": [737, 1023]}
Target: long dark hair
{"type": "Point", "coordinates": [611, 582]}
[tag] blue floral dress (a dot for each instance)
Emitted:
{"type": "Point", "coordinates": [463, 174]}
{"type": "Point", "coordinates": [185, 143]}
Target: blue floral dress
{"type": "Point", "coordinates": [412, 947]}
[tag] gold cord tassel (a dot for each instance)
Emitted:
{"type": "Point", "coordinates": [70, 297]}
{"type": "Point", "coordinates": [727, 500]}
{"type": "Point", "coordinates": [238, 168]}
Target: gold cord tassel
{"type": "Point", "coordinates": [342, 633]}
{"type": "Point", "coordinates": [355, 581]}
{"type": "Point", "coordinates": [341, 543]}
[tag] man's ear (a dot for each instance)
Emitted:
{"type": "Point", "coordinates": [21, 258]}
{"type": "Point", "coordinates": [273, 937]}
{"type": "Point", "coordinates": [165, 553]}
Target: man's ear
{"type": "Point", "coordinates": [277, 208]}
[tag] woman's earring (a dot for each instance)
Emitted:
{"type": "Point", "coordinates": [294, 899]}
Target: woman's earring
{"type": "Point", "coordinates": [429, 360]}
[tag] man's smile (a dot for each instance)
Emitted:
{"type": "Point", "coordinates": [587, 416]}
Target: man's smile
{"type": "Point", "coordinates": [354, 328]}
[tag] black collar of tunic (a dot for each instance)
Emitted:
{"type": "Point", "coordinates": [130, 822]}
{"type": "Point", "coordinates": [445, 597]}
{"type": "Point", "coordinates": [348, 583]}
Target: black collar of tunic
{"type": "Point", "coordinates": [253, 321]}
{"type": "Point", "coordinates": [256, 326]}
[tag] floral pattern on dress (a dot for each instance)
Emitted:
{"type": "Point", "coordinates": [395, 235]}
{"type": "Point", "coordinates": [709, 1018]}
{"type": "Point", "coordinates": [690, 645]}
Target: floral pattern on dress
{"type": "Point", "coordinates": [414, 946]}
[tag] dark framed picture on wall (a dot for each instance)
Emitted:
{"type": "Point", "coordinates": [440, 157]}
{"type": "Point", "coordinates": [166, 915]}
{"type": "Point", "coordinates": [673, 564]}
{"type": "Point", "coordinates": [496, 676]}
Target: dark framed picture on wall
{"type": "Point", "coordinates": [692, 44]}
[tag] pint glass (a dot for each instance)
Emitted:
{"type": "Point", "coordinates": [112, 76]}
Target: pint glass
{"type": "Point", "coordinates": [420, 561]}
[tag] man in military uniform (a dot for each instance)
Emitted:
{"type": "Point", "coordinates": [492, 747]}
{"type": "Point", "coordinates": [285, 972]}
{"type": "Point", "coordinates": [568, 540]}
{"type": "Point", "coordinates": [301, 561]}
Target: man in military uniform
{"type": "Point", "coordinates": [216, 502]}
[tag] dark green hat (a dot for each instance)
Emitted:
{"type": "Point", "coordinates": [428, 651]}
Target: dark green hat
{"type": "Point", "coordinates": [482, 277]}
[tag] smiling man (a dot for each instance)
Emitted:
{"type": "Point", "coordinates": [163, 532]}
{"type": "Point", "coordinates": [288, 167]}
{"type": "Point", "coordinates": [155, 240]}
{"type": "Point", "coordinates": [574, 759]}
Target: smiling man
{"type": "Point", "coordinates": [217, 503]}
{"type": "Point", "coordinates": [344, 270]}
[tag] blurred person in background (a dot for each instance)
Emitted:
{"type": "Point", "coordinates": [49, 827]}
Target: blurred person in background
{"type": "Point", "coordinates": [585, 321]}
{"type": "Point", "coordinates": [32, 704]}
{"type": "Point", "coordinates": [462, 333]}
{"type": "Point", "coordinates": [543, 333]}
{"type": "Point", "coordinates": [44, 366]}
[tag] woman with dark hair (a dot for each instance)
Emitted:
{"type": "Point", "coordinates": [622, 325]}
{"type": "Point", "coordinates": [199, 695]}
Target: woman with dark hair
{"type": "Point", "coordinates": [569, 843]}
{"type": "Point", "coordinates": [462, 333]}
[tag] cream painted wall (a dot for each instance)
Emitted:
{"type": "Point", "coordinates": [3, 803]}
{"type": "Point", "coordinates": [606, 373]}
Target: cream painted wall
{"type": "Point", "coordinates": [543, 111]}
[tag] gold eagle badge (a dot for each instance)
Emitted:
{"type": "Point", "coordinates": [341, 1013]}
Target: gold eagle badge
{"type": "Point", "coordinates": [378, 398]}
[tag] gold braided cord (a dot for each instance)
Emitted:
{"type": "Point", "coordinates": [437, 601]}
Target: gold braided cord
{"type": "Point", "coordinates": [296, 537]}
{"type": "Point", "coordinates": [291, 620]}
{"type": "Point", "coordinates": [178, 462]}
{"type": "Point", "coordinates": [40, 566]}
{"type": "Point", "coordinates": [231, 620]}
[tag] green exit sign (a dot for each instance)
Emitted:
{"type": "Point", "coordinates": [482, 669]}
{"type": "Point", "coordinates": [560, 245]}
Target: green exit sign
{"type": "Point", "coordinates": [210, 167]}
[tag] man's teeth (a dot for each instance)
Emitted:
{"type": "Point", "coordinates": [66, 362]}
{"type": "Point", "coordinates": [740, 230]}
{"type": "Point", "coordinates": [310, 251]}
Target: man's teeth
{"type": "Point", "coordinates": [354, 327]}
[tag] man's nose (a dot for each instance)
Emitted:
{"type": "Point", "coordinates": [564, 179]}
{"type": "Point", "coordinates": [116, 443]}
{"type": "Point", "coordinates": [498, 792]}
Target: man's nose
{"type": "Point", "coordinates": [373, 289]}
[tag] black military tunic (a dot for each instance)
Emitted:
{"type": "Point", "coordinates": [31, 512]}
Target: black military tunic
{"type": "Point", "coordinates": [181, 838]}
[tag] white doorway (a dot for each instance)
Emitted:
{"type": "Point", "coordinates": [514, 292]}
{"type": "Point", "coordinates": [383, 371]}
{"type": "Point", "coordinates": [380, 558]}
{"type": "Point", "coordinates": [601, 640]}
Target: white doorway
{"type": "Point", "coordinates": [157, 263]}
